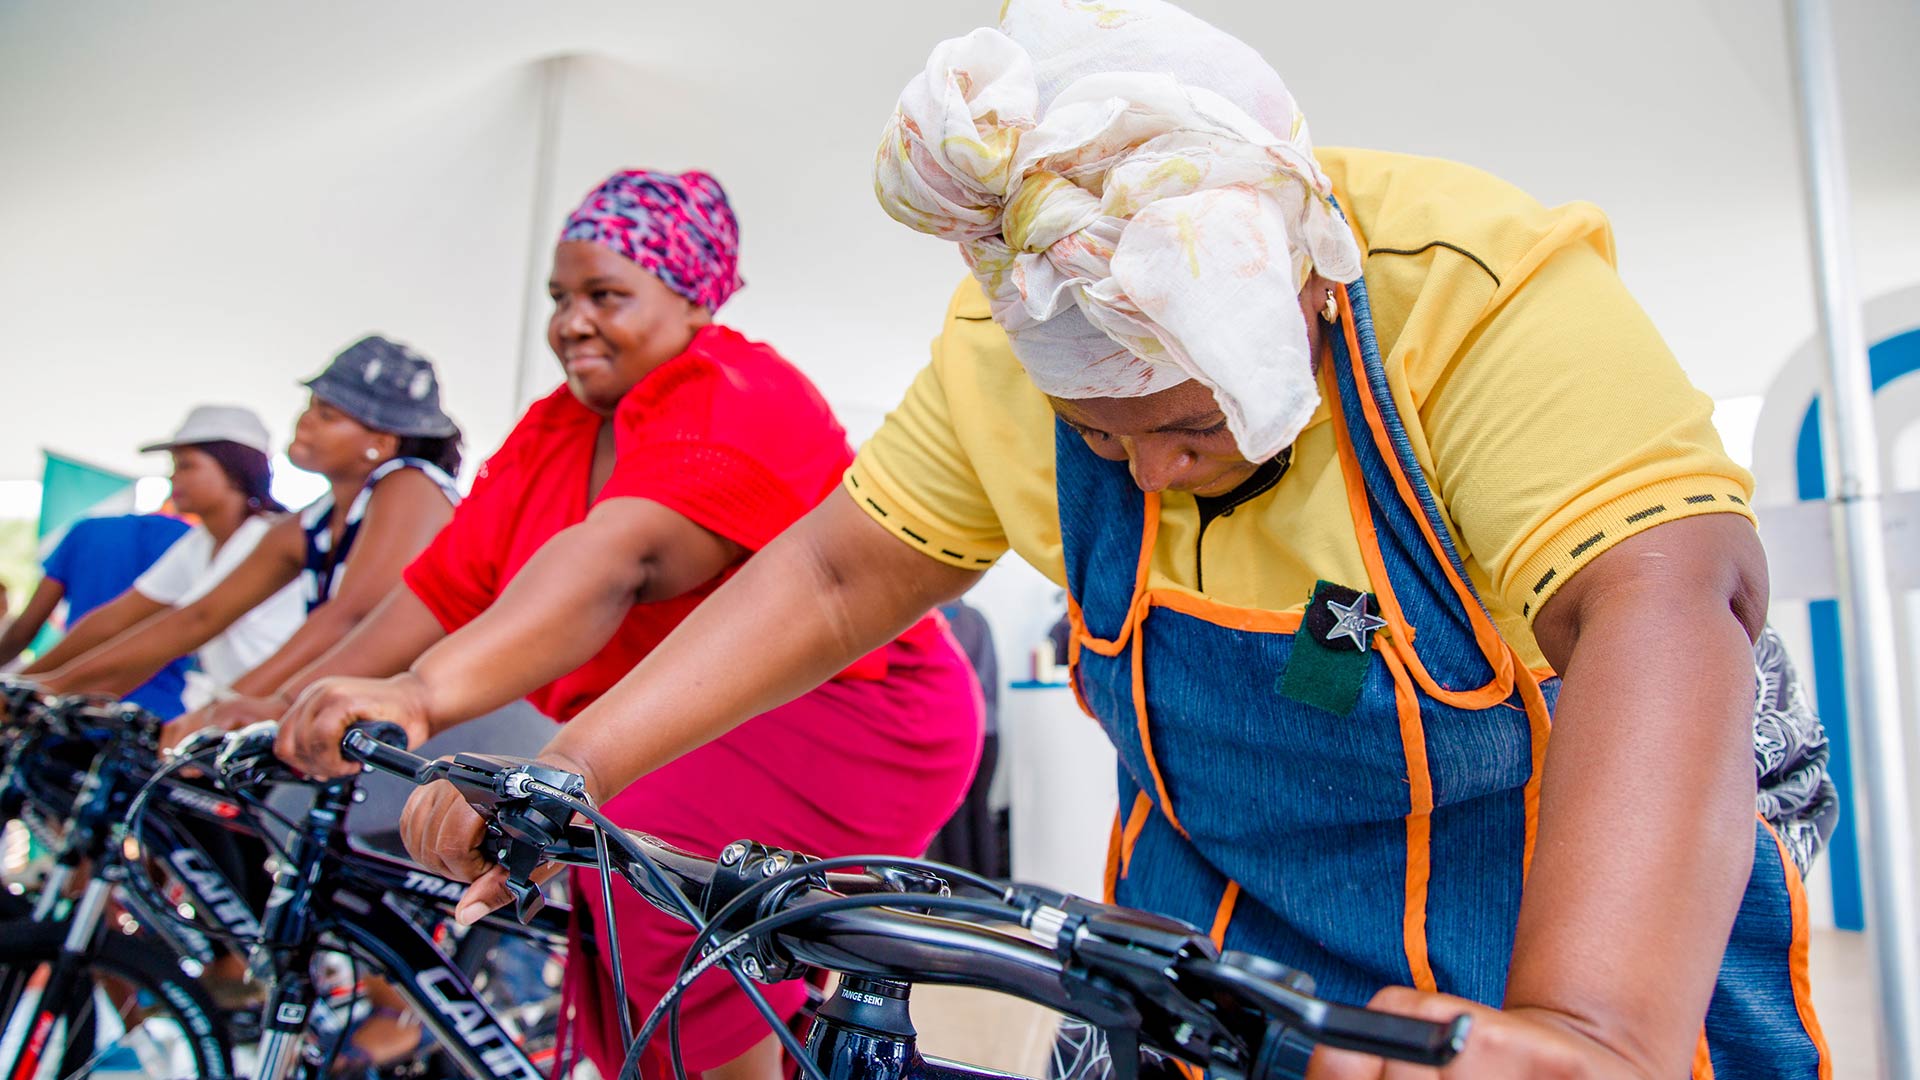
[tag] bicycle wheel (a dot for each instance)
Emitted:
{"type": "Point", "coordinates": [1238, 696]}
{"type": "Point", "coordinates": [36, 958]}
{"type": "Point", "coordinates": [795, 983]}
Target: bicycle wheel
{"type": "Point", "coordinates": [133, 1013]}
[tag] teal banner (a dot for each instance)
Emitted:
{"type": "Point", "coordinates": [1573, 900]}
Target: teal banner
{"type": "Point", "coordinates": [71, 490]}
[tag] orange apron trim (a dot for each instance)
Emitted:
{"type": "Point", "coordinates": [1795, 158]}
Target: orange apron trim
{"type": "Point", "coordinates": [1233, 618]}
{"type": "Point", "coordinates": [1413, 742]}
{"type": "Point", "coordinates": [1112, 875]}
{"type": "Point", "coordinates": [1140, 715]}
{"type": "Point", "coordinates": [1493, 647]}
{"type": "Point", "coordinates": [1136, 821]}
{"type": "Point", "coordinates": [1225, 915]}
{"type": "Point", "coordinates": [1540, 726]}
{"type": "Point", "coordinates": [1076, 631]}
{"type": "Point", "coordinates": [1149, 532]}
{"type": "Point", "coordinates": [1797, 962]}
{"type": "Point", "coordinates": [1081, 638]}
{"type": "Point", "coordinates": [1702, 1060]}
{"type": "Point", "coordinates": [1359, 509]}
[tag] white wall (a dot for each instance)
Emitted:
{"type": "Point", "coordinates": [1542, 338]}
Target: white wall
{"type": "Point", "coordinates": [205, 200]}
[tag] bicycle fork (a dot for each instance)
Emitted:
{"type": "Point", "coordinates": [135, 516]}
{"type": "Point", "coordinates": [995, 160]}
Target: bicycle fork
{"type": "Point", "coordinates": [52, 890]}
{"type": "Point", "coordinates": [284, 956]}
{"type": "Point", "coordinates": [36, 1029]}
{"type": "Point", "coordinates": [285, 1025]}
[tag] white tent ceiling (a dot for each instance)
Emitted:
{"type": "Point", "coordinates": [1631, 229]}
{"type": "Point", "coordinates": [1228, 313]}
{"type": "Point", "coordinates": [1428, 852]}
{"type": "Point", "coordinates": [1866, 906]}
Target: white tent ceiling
{"type": "Point", "coordinates": [202, 201]}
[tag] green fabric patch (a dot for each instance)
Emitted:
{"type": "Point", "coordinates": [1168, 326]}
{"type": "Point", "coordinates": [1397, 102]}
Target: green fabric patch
{"type": "Point", "coordinates": [1319, 674]}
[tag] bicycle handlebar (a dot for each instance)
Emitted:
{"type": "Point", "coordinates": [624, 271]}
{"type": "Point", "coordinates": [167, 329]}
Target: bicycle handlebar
{"type": "Point", "coordinates": [76, 716]}
{"type": "Point", "coordinates": [1115, 967]}
{"type": "Point", "coordinates": [55, 740]}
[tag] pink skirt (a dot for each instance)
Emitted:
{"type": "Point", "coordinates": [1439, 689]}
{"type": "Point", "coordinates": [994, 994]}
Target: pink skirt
{"type": "Point", "coordinates": [853, 768]}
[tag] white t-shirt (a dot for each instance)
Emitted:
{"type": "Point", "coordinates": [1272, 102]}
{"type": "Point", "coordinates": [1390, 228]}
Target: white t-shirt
{"type": "Point", "coordinates": [190, 569]}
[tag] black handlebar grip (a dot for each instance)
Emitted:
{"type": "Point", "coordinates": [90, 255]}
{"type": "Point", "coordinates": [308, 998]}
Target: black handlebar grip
{"type": "Point", "coordinates": [382, 731]}
{"type": "Point", "coordinates": [1403, 1038]}
{"type": "Point", "coordinates": [382, 745]}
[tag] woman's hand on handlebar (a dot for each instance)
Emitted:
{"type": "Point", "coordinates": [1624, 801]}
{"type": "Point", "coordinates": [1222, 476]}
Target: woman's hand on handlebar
{"type": "Point", "coordinates": [310, 732]}
{"type": "Point", "coordinates": [444, 834]}
{"type": "Point", "coordinates": [230, 715]}
{"type": "Point", "coordinates": [178, 728]}
{"type": "Point", "coordinates": [1510, 1044]}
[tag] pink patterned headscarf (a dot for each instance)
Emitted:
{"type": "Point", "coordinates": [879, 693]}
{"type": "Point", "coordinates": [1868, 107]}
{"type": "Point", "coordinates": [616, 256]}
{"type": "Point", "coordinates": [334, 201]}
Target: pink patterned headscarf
{"type": "Point", "coordinates": [681, 229]}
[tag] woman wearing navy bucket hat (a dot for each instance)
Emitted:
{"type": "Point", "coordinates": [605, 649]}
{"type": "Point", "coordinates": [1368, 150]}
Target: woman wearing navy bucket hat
{"type": "Point", "coordinates": [375, 429]}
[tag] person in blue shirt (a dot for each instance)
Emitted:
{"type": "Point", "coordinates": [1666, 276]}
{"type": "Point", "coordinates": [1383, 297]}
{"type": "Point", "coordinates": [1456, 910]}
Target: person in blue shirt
{"type": "Point", "coordinates": [97, 560]}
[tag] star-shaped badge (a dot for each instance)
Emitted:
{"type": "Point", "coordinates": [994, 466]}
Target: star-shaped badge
{"type": "Point", "coordinates": [1353, 622]}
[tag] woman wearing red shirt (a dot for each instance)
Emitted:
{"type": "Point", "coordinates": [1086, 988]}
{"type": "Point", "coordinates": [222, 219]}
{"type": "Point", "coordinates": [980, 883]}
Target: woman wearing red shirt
{"type": "Point", "coordinates": [676, 449]}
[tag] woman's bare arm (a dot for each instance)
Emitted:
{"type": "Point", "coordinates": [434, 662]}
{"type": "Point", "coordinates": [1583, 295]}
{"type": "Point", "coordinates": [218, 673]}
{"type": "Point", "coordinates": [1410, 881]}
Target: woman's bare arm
{"type": "Point", "coordinates": [832, 588]}
{"type": "Point", "coordinates": [829, 590]}
{"type": "Point", "coordinates": [403, 514]}
{"type": "Point", "coordinates": [558, 611]}
{"type": "Point", "coordinates": [101, 625]}
{"type": "Point", "coordinates": [120, 665]}
{"type": "Point", "coordinates": [26, 626]}
{"type": "Point", "coordinates": [392, 636]}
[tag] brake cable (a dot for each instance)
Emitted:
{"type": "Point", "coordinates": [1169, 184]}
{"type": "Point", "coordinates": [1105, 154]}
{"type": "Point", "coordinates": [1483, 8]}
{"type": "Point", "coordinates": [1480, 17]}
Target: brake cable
{"type": "Point", "coordinates": [761, 927]}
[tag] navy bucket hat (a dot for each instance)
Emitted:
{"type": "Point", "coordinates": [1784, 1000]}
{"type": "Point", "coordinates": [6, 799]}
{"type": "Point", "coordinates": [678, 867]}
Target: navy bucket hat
{"type": "Point", "coordinates": [386, 386]}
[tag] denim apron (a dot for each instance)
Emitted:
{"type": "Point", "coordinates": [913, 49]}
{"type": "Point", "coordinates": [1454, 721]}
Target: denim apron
{"type": "Point", "coordinates": [1387, 846]}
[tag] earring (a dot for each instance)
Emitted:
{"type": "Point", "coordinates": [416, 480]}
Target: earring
{"type": "Point", "coordinates": [1331, 310]}
{"type": "Point", "coordinates": [372, 454]}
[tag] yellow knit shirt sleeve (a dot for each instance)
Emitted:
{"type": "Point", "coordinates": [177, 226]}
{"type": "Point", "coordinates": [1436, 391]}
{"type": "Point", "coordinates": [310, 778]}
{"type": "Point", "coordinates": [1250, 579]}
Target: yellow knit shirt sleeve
{"type": "Point", "coordinates": [917, 479]}
{"type": "Point", "coordinates": [1565, 425]}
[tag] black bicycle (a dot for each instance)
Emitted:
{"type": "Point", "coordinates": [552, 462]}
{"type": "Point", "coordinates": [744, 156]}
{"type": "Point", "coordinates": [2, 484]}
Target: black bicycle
{"type": "Point", "coordinates": [104, 932]}
{"type": "Point", "coordinates": [768, 914]}
{"type": "Point", "coordinates": [90, 969]}
{"type": "Point", "coordinates": [381, 913]}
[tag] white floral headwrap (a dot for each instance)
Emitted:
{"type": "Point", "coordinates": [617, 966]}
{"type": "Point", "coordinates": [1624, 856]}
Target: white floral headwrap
{"type": "Point", "coordinates": [1137, 193]}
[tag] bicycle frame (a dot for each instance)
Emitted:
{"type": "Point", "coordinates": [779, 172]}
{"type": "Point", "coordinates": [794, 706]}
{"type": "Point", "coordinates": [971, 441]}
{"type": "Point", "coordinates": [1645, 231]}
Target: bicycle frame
{"type": "Point", "coordinates": [92, 802]}
{"type": "Point", "coordinates": [366, 903]}
{"type": "Point", "coordinates": [36, 783]}
{"type": "Point", "coordinates": [363, 901]}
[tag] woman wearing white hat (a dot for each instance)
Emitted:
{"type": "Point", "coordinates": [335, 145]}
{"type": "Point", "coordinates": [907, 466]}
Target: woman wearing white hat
{"type": "Point", "coordinates": [221, 475]}
{"type": "Point", "coordinates": [375, 430]}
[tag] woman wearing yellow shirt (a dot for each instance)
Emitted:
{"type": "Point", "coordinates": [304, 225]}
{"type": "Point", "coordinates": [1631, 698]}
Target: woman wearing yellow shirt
{"type": "Point", "coordinates": [1324, 556]}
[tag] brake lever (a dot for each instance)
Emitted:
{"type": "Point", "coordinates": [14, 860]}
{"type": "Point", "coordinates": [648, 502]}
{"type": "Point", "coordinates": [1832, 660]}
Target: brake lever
{"type": "Point", "coordinates": [1346, 1027]}
{"type": "Point", "coordinates": [524, 827]}
{"type": "Point", "coordinates": [242, 748]}
{"type": "Point", "coordinates": [382, 746]}
{"type": "Point", "coordinates": [197, 743]}
{"type": "Point", "coordinates": [520, 858]}
{"type": "Point", "coordinates": [1405, 1038]}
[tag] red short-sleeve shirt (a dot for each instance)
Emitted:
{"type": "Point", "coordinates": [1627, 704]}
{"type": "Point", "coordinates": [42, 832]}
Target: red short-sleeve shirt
{"type": "Point", "coordinates": [728, 434]}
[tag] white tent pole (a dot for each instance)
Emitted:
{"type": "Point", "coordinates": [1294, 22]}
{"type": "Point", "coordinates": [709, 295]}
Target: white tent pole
{"type": "Point", "coordinates": [553, 92]}
{"type": "Point", "coordinates": [1873, 690]}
